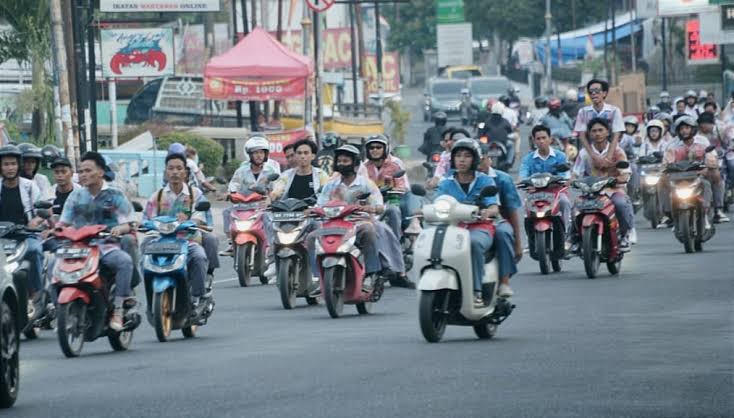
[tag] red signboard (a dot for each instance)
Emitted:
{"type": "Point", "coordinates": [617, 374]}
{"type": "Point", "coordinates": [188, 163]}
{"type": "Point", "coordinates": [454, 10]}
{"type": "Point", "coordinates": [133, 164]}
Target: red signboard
{"type": "Point", "coordinates": [697, 52]}
{"type": "Point", "coordinates": [319, 5]}
{"type": "Point", "coordinates": [224, 89]}
{"type": "Point", "coordinates": [279, 139]}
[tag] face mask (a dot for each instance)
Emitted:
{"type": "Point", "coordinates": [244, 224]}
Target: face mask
{"type": "Point", "coordinates": [345, 170]}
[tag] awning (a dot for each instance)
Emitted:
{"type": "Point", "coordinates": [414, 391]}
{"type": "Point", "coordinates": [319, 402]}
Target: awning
{"type": "Point", "coordinates": [574, 44]}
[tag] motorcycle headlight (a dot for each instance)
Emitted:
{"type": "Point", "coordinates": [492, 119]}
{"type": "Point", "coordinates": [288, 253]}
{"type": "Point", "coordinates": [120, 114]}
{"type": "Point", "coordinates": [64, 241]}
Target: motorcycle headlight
{"type": "Point", "coordinates": [166, 227]}
{"type": "Point", "coordinates": [243, 225]}
{"type": "Point", "coordinates": [684, 192]}
{"type": "Point", "coordinates": [287, 238]}
{"type": "Point", "coordinates": [333, 212]}
{"type": "Point", "coordinates": [540, 214]}
{"type": "Point", "coordinates": [652, 180]}
{"type": "Point", "coordinates": [540, 182]}
{"type": "Point", "coordinates": [442, 209]}
{"type": "Point", "coordinates": [347, 245]}
{"type": "Point", "coordinates": [149, 265]}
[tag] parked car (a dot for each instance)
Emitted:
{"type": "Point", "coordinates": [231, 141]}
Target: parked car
{"type": "Point", "coordinates": [10, 325]}
{"type": "Point", "coordinates": [480, 89]}
{"type": "Point", "coordinates": [443, 95]}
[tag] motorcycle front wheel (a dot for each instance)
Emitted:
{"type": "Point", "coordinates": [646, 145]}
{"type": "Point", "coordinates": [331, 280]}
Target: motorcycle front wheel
{"type": "Point", "coordinates": [683, 229]}
{"type": "Point", "coordinates": [541, 252]}
{"type": "Point", "coordinates": [486, 331]}
{"type": "Point", "coordinates": [162, 314]}
{"type": "Point", "coordinates": [71, 326]}
{"type": "Point", "coordinates": [287, 275]}
{"type": "Point", "coordinates": [9, 358]}
{"type": "Point", "coordinates": [591, 256]}
{"type": "Point", "coordinates": [432, 314]}
{"type": "Point", "coordinates": [334, 290]}
{"type": "Point", "coordinates": [244, 272]}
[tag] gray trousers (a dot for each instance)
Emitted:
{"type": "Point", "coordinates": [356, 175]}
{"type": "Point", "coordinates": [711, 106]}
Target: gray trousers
{"type": "Point", "coordinates": [120, 264]}
{"type": "Point", "coordinates": [211, 247]}
{"type": "Point", "coordinates": [624, 211]}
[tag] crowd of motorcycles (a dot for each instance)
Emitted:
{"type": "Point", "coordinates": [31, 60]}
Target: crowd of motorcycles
{"type": "Point", "coordinates": [78, 302]}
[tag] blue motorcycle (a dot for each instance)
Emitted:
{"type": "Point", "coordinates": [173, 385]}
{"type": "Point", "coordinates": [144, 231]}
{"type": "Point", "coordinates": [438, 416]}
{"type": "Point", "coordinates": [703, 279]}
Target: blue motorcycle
{"type": "Point", "coordinates": [167, 286]}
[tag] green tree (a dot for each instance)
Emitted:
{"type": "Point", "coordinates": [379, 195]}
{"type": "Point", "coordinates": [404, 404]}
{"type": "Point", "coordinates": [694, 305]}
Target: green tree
{"type": "Point", "coordinates": [29, 41]}
{"type": "Point", "coordinates": [414, 28]}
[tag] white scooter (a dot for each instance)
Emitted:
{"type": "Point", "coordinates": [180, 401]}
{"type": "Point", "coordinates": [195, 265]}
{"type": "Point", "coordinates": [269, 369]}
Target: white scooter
{"type": "Point", "coordinates": [443, 258]}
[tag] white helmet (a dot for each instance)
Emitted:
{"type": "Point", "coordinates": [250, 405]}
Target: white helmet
{"type": "Point", "coordinates": [257, 143]}
{"type": "Point", "coordinates": [572, 94]}
{"type": "Point", "coordinates": [498, 108]}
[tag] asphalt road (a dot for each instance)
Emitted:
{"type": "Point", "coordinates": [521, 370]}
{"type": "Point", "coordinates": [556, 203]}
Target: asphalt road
{"type": "Point", "coordinates": [655, 341]}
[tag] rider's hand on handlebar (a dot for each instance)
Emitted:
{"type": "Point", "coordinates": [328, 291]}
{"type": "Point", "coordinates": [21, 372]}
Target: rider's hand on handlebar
{"type": "Point", "coordinates": [35, 222]}
{"type": "Point", "coordinates": [120, 230]}
{"type": "Point", "coordinates": [489, 213]}
{"type": "Point", "coordinates": [182, 217]}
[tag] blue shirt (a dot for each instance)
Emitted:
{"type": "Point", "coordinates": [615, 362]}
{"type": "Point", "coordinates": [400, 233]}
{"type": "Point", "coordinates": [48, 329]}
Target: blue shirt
{"type": "Point", "coordinates": [109, 207]}
{"type": "Point", "coordinates": [508, 196]}
{"type": "Point", "coordinates": [533, 163]}
{"type": "Point", "coordinates": [450, 186]}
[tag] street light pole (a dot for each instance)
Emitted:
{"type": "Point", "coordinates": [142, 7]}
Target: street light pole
{"type": "Point", "coordinates": [317, 67]}
{"type": "Point", "coordinates": [378, 39]}
{"type": "Point", "coordinates": [548, 68]}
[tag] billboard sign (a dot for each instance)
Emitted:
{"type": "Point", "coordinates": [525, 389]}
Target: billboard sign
{"type": "Point", "coordinates": [698, 52]}
{"type": "Point", "coordinates": [683, 7]}
{"type": "Point", "coordinates": [450, 11]}
{"type": "Point", "coordinates": [158, 6]}
{"type": "Point", "coordinates": [454, 44]}
{"type": "Point", "coordinates": [132, 53]}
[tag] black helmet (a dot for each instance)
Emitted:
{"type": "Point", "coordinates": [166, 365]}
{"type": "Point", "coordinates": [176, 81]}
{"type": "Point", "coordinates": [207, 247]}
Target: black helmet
{"type": "Point", "coordinates": [505, 100]}
{"type": "Point", "coordinates": [11, 151]}
{"type": "Point", "coordinates": [330, 139]}
{"type": "Point", "coordinates": [31, 152]}
{"type": "Point", "coordinates": [61, 161]}
{"type": "Point", "coordinates": [349, 150]}
{"type": "Point", "coordinates": [50, 153]}
{"type": "Point", "coordinates": [467, 144]}
{"type": "Point", "coordinates": [541, 102]}
{"type": "Point", "coordinates": [440, 118]}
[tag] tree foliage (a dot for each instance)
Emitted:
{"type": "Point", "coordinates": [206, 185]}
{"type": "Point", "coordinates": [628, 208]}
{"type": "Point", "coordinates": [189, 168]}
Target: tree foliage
{"type": "Point", "coordinates": [414, 28]}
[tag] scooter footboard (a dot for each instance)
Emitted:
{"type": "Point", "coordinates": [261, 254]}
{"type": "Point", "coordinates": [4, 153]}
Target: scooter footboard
{"type": "Point", "coordinates": [437, 279]}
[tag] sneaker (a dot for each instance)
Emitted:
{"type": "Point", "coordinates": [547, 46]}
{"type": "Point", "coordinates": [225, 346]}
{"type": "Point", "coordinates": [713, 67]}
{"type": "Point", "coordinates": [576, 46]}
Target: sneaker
{"type": "Point", "coordinates": [368, 282]}
{"type": "Point", "coordinates": [720, 216]}
{"type": "Point", "coordinates": [116, 320]}
{"type": "Point", "coordinates": [706, 223]}
{"type": "Point", "coordinates": [505, 291]}
{"type": "Point", "coordinates": [271, 273]}
{"type": "Point", "coordinates": [35, 307]}
{"type": "Point", "coordinates": [633, 236]}
{"type": "Point", "coordinates": [478, 300]}
{"type": "Point", "coordinates": [229, 252]}
{"type": "Point", "coordinates": [402, 281]}
{"type": "Point", "coordinates": [624, 244]}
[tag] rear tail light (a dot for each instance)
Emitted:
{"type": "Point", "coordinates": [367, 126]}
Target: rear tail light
{"type": "Point", "coordinates": [436, 158]}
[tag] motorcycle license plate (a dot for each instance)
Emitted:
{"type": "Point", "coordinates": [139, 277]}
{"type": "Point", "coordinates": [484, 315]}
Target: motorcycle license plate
{"type": "Point", "coordinates": [494, 153]}
{"type": "Point", "coordinates": [163, 248]}
{"type": "Point", "coordinates": [246, 206]}
{"type": "Point", "coordinates": [71, 253]}
{"type": "Point", "coordinates": [541, 196]}
{"type": "Point", "coordinates": [287, 216]}
{"type": "Point", "coordinates": [590, 205]}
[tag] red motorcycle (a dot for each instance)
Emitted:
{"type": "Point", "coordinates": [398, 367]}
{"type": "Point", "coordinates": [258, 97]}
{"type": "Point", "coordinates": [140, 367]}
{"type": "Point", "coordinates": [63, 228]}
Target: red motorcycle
{"type": "Point", "coordinates": [247, 231]}
{"type": "Point", "coordinates": [543, 220]}
{"type": "Point", "coordinates": [85, 294]}
{"type": "Point", "coordinates": [340, 262]}
{"type": "Point", "coordinates": [596, 224]}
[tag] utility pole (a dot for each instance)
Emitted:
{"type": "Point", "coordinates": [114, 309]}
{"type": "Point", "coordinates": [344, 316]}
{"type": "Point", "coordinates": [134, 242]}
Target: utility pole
{"type": "Point", "coordinates": [353, 44]}
{"type": "Point", "coordinates": [246, 31]}
{"type": "Point", "coordinates": [614, 42]}
{"type": "Point", "coordinates": [317, 64]}
{"type": "Point", "coordinates": [606, 54]}
{"type": "Point", "coordinates": [548, 68]}
{"type": "Point", "coordinates": [378, 39]}
{"type": "Point", "coordinates": [59, 50]}
{"type": "Point", "coordinates": [81, 82]}
{"type": "Point", "coordinates": [92, 76]}
{"type": "Point", "coordinates": [362, 69]}
{"type": "Point", "coordinates": [238, 103]}
{"type": "Point", "coordinates": [665, 55]}
{"type": "Point", "coordinates": [279, 36]}
{"type": "Point", "coordinates": [633, 35]}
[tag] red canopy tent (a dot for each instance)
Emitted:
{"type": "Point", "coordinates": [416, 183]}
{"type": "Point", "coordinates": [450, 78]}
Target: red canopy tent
{"type": "Point", "coordinates": [258, 68]}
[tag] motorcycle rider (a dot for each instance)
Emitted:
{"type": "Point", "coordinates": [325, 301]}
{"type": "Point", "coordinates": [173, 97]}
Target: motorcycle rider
{"type": "Point", "coordinates": [192, 163]}
{"type": "Point", "coordinates": [571, 103]}
{"type": "Point", "coordinates": [546, 160]}
{"type": "Point", "coordinates": [560, 125]}
{"type": "Point", "coordinates": [178, 199]}
{"type": "Point", "coordinates": [500, 130]}
{"type": "Point", "coordinates": [380, 167]}
{"type": "Point", "coordinates": [303, 180]}
{"type": "Point", "coordinates": [31, 162]}
{"type": "Point", "coordinates": [63, 182]}
{"type": "Point", "coordinates": [96, 203]}
{"type": "Point", "coordinates": [599, 109]}
{"type": "Point", "coordinates": [687, 149]}
{"type": "Point", "coordinates": [465, 185]}
{"type": "Point", "coordinates": [541, 108]}
{"type": "Point", "coordinates": [630, 143]}
{"type": "Point", "coordinates": [691, 104]}
{"type": "Point", "coordinates": [432, 136]}
{"type": "Point", "coordinates": [508, 113]}
{"type": "Point", "coordinates": [17, 197]}
{"type": "Point", "coordinates": [654, 141]}
{"type": "Point", "coordinates": [664, 104]}
{"type": "Point", "coordinates": [255, 171]}
{"type": "Point", "coordinates": [709, 127]}
{"type": "Point", "coordinates": [667, 120]}
{"type": "Point", "coordinates": [444, 162]}
{"type": "Point", "coordinates": [373, 238]}
{"type": "Point", "coordinates": [680, 108]}
{"type": "Point", "coordinates": [599, 132]}
{"type": "Point", "coordinates": [290, 155]}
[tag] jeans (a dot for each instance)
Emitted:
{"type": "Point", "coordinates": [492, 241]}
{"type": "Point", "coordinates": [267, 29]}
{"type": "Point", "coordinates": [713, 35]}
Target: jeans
{"type": "Point", "coordinates": [393, 219]}
{"type": "Point", "coordinates": [564, 204]}
{"type": "Point", "coordinates": [624, 211]}
{"type": "Point", "coordinates": [409, 204]}
{"type": "Point", "coordinates": [504, 246]}
{"type": "Point", "coordinates": [197, 265]}
{"type": "Point", "coordinates": [510, 144]}
{"type": "Point", "coordinates": [633, 187]}
{"type": "Point", "coordinates": [717, 191]}
{"type": "Point", "coordinates": [120, 264]}
{"type": "Point", "coordinates": [129, 244]}
{"type": "Point", "coordinates": [481, 242]}
{"type": "Point", "coordinates": [211, 247]}
{"type": "Point", "coordinates": [366, 241]}
{"type": "Point", "coordinates": [34, 256]}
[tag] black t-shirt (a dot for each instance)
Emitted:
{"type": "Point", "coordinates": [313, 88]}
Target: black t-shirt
{"type": "Point", "coordinates": [11, 207]}
{"type": "Point", "coordinates": [302, 187]}
{"type": "Point", "coordinates": [60, 199]}
{"type": "Point", "coordinates": [465, 187]}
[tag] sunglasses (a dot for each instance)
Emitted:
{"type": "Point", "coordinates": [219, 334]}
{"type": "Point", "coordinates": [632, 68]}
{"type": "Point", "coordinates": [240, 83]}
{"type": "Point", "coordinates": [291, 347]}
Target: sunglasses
{"type": "Point", "coordinates": [595, 91]}
{"type": "Point", "coordinates": [375, 147]}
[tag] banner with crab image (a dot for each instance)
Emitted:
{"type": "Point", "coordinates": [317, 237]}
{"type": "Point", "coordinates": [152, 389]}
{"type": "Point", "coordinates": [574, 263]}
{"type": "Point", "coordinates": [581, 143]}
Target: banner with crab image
{"type": "Point", "coordinates": [132, 53]}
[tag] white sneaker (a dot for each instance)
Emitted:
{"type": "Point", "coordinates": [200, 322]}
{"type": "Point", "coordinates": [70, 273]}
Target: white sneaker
{"type": "Point", "coordinates": [633, 236]}
{"type": "Point", "coordinates": [505, 291]}
{"type": "Point", "coordinates": [271, 272]}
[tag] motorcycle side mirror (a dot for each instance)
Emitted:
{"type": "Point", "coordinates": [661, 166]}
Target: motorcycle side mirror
{"type": "Point", "coordinates": [488, 191]}
{"type": "Point", "coordinates": [258, 189]}
{"type": "Point", "coordinates": [43, 213]}
{"type": "Point", "coordinates": [399, 174]}
{"type": "Point", "coordinates": [710, 148]}
{"type": "Point", "coordinates": [563, 167]}
{"type": "Point", "coordinates": [418, 189]}
{"type": "Point", "coordinates": [657, 154]}
{"type": "Point", "coordinates": [137, 206]}
{"type": "Point", "coordinates": [220, 180]}
{"type": "Point", "coordinates": [622, 165]}
{"type": "Point", "coordinates": [273, 177]}
{"type": "Point", "coordinates": [364, 196]}
{"type": "Point", "coordinates": [310, 201]}
{"type": "Point", "coordinates": [202, 206]}
{"type": "Point", "coordinates": [43, 204]}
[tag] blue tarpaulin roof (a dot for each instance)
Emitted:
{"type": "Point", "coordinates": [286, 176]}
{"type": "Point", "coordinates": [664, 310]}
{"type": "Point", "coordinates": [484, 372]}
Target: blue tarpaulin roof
{"type": "Point", "coordinates": [573, 44]}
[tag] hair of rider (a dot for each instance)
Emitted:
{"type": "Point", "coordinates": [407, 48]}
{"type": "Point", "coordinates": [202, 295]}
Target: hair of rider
{"type": "Point", "coordinates": [542, 139]}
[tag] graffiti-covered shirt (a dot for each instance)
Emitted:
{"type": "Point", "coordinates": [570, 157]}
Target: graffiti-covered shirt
{"type": "Point", "coordinates": [335, 189]}
{"type": "Point", "coordinates": [109, 207]}
{"type": "Point", "coordinates": [166, 202]}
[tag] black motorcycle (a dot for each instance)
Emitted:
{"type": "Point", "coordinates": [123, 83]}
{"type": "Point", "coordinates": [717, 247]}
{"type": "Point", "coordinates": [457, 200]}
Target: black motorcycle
{"type": "Point", "coordinates": [691, 226]}
{"type": "Point", "coordinates": [11, 299]}
{"type": "Point", "coordinates": [650, 173]}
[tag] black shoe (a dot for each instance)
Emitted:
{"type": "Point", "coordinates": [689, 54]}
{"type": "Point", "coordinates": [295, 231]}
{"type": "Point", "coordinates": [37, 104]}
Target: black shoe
{"type": "Point", "coordinates": [402, 281]}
